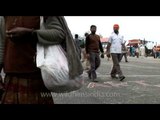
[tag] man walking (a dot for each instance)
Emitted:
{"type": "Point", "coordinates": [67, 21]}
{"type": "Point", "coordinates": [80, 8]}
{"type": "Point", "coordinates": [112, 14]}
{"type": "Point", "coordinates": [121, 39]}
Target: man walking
{"type": "Point", "coordinates": [114, 47]}
{"type": "Point", "coordinates": [87, 64]}
{"type": "Point", "coordinates": [124, 52]}
{"type": "Point", "coordinates": [78, 42]}
{"type": "Point", "coordinates": [93, 45]}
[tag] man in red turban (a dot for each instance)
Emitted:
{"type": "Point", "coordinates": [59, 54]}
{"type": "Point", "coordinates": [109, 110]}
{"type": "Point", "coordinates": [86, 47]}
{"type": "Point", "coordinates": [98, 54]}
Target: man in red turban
{"type": "Point", "coordinates": [114, 48]}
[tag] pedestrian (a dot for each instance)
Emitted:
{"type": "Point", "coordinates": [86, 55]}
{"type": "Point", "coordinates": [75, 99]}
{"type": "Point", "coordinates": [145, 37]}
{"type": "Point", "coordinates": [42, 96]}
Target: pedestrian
{"type": "Point", "coordinates": [154, 52]}
{"type": "Point", "coordinates": [137, 51]}
{"type": "Point", "coordinates": [78, 43]}
{"type": "Point", "coordinates": [93, 45]}
{"type": "Point", "coordinates": [23, 80]}
{"type": "Point", "coordinates": [124, 52]}
{"type": "Point", "coordinates": [82, 46]}
{"type": "Point", "coordinates": [133, 51]}
{"type": "Point", "coordinates": [146, 51]}
{"type": "Point", "coordinates": [114, 48]}
{"type": "Point", "coordinates": [130, 51]}
{"type": "Point", "coordinates": [142, 51]}
{"type": "Point", "coordinates": [87, 63]}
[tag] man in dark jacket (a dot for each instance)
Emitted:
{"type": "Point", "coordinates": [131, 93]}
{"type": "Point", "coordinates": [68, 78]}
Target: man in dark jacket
{"type": "Point", "coordinates": [93, 45]}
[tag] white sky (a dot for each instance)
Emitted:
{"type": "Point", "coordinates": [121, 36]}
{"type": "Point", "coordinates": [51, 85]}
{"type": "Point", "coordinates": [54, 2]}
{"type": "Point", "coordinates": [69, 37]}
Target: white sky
{"type": "Point", "coordinates": [131, 27]}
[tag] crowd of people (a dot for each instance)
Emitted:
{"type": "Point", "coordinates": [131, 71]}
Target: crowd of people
{"type": "Point", "coordinates": [94, 51]}
{"type": "Point", "coordinates": [156, 52]}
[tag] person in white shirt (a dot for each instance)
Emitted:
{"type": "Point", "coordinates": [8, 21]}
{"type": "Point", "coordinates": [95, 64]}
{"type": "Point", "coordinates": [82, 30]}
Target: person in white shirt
{"type": "Point", "coordinates": [114, 48]}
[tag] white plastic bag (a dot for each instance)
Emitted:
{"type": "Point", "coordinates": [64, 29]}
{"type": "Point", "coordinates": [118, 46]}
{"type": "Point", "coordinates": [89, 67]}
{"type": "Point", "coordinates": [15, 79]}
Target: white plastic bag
{"type": "Point", "coordinates": [54, 69]}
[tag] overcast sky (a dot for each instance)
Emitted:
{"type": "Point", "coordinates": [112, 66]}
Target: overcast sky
{"type": "Point", "coordinates": [131, 27]}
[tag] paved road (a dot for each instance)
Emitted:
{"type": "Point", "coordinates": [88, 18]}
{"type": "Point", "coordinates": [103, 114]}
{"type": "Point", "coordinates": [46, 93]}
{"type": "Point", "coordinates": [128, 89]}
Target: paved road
{"type": "Point", "coordinates": [141, 86]}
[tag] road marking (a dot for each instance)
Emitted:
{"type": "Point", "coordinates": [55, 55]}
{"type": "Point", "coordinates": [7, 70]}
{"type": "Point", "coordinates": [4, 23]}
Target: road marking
{"type": "Point", "coordinates": [93, 85]}
{"type": "Point", "coordinates": [142, 83]}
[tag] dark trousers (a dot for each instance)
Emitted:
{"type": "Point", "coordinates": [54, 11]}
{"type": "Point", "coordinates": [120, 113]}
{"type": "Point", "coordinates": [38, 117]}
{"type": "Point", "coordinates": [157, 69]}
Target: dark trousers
{"type": "Point", "coordinates": [116, 66]}
{"type": "Point", "coordinates": [95, 63]}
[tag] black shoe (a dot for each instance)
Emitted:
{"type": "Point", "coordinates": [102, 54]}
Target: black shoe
{"type": "Point", "coordinates": [122, 78]}
{"type": "Point", "coordinates": [89, 75]}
